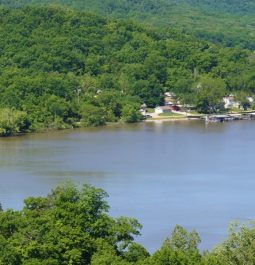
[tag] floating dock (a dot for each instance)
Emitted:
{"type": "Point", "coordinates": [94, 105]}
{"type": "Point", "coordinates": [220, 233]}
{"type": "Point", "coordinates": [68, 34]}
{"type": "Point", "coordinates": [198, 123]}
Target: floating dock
{"type": "Point", "coordinates": [230, 117]}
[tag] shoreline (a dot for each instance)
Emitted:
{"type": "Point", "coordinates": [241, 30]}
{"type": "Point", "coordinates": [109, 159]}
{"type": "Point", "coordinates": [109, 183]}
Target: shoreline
{"type": "Point", "coordinates": [172, 119]}
{"type": "Point", "coordinates": [191, 118]}
{"type": "Point", "coordinates": [194, 117]}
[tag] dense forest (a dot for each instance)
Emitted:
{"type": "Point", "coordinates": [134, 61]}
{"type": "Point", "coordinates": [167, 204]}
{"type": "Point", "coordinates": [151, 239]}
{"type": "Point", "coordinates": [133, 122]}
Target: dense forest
{"type": "Point", "coordinates": [62, 68]}
{"type": "Point", "coordinates": [72, 226]}
{"type": "Point", "coordinates": [229, 22]}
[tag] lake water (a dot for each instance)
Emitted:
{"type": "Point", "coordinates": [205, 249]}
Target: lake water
{"type": "Point", "coordinates": [188, 173]}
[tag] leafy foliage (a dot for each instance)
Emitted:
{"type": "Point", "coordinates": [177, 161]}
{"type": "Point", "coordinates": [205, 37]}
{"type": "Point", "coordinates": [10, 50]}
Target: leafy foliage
{"type": "Point", "coordinates": [63, 69]}
{"type": "Point", "coordinates": [72, 226]}
{"type": "Point", "coordinates": [66, 227]}
{"type": "Point", "coordinates": [12, 122]}
{"type": "Point", "coordinates": [209, 93]}
{"type": "Point", "coordinates": [229, 22]}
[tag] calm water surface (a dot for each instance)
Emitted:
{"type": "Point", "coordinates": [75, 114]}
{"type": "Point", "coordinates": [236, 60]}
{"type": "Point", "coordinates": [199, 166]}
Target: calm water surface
{"type": "Point", "coordinates": [186, 173]}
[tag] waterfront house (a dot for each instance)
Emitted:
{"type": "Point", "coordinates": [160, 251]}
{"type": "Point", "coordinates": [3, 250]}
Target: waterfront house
{"type": "Point", "coordinates": [169, 98]}
{"type": "Point", "coordinates": [143, 106]}
{"type": "Point", "coordinates": [250, 99]}
{"type": "Point", "coordinates": [143, 109]}
{"type": "Point", "coordinates": [163, 109]}
{"type": "Point", "coordinates": [143, 112]}
{"type": "Point", "coordinates": [229, 102]}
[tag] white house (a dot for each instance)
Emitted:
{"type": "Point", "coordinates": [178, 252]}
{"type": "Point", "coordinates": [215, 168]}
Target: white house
{"type": "Point", "coordinates": [162, 109]}
{"type": "Point", "coordinates": [143, 106]}
{"type": "Point", "coordinates": [250, 99]}
{"type": "Point", "coordinates": [169, 98]}
{"type": "Point", "coordinates": [143, 112]}
{"type": "Point", "coordinates": [229, 102]}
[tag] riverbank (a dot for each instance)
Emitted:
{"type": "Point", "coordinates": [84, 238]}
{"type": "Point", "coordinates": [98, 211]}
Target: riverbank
{"type": "Point", "coordinates": [169, 119]}
{"type": "Point", "coordinates": [174, 116]}
{"type": "Point", "coordinates": [185, 116]}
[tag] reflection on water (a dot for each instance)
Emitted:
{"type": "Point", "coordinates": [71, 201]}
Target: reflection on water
{"type": "Point", "coordinates": [200, 176]}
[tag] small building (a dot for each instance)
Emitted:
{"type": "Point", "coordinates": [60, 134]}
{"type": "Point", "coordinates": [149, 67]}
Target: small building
{"type": "Point", "coordinates": [169, 94]}
{"type": "Point", "coordinates": [143, 106]}
{"type": "Point", "coordinates": [229, 102]}
{"type": "Point", "coordinates": [163, 109]}
{"type": "Point", "coordinates": [250, 99]}
{"type": "Point", "coordinates": [169, 98]}
{"type": "Point", "coordinates": [143, 112]}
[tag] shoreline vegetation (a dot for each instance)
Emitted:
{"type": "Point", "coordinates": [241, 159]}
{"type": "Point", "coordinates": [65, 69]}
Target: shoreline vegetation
{"type": "Point", "coordinates": [64, 69]}
{"type": "Point", "coordinates": [72, 226]}
{"type": "Point", "coordinates": [226, 116]}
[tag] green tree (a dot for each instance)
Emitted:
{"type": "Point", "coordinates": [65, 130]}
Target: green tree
{"type": "Point", "coordinates": [59, 110]}
{"type": "Point", "coordinates": [136, 253]}
{"type": "Point", "coordinates": [239, 248]}
{"type": "Point", "coordinates": [13, 122]}
{"type": "Point", "coordinates": [69, 226]}
{"type": "Point", "coordinates": [92, 115]}
{"type": "Point", "coordinates": [180, 248]}
{"type": "Point", "coordinates": [183, 240]}
{"type": "Point", "coordinates": [208, 94]}
{"type": "Point", "coordinates": [130, 114]}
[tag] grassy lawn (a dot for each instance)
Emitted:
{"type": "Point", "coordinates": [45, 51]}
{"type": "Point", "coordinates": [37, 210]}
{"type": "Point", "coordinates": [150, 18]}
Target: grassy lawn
{"type": "Point", "coordinates": [150, 110]}
{"type": "Point", "coordinates": [168, 118]}
{"type": "Point", "coordinates": [171, 114]}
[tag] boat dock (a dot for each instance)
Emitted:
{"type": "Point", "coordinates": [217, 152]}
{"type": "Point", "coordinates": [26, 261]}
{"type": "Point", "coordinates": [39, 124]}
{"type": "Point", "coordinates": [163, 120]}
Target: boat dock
{"type": "Point", "coordinates": [230, 117]}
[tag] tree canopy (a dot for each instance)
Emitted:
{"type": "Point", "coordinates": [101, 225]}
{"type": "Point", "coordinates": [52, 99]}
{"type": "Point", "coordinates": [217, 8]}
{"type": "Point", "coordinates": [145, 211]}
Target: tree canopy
{"type": "Point", "coordinates": [61, 68]}
{"type": "Point", "coordinates": [72, 225]}
{"type": "Point", "coordinates": [229, 22]}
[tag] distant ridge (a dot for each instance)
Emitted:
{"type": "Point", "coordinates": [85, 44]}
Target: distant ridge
{"type": "Point", "coordinates": [229, 22]}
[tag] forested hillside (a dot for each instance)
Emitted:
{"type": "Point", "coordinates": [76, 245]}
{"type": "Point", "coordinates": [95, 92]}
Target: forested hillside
{"type": "Point", "coordinates": [230, 6]}
{"type": "Point", "coordinates": [72, 226]}
{"type": "Point", "coordinates": [60, 68]}
{"type": "Point", "coordinates": [229, 22]}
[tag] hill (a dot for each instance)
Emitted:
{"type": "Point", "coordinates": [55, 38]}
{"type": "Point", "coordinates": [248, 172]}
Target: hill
{"type": "Point", "coordinates": [63, 68]}
{"type": "Point", "coordinates": [229, 22]}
